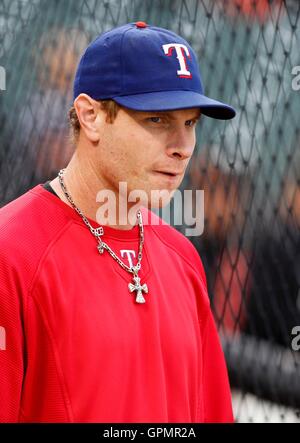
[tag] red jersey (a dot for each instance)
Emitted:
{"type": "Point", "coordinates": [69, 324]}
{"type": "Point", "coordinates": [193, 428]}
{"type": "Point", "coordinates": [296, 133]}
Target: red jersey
{"type": "Point", "coordinates": [78, 346]}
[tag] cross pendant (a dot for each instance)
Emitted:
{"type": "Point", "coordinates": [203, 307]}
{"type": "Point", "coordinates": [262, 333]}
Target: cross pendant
{"type": "Point", "coordinates": [138, 288]}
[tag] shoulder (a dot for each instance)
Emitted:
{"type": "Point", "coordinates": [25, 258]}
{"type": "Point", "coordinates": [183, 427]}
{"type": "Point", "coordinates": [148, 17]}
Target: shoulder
{"type": "Point", "coordinates": [28, 215]}
{"type": "Point", "coordinates": [28, 225]}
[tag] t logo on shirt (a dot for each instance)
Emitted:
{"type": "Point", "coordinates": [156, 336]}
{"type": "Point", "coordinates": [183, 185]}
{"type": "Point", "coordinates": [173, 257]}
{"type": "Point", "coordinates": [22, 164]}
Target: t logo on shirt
{"type": "Point", "coordinates": [129, 254]}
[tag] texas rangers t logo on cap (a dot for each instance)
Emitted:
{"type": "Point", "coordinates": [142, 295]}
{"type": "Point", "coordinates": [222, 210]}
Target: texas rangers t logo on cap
{"type": "Point", "coordinates": [181, 51]}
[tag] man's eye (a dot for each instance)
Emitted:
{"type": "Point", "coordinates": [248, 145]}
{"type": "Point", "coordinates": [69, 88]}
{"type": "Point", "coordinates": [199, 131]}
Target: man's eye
{"type": "Point", "coordinates": [191, 123]}
{"type": "Point", "coordinates": [154, 119]}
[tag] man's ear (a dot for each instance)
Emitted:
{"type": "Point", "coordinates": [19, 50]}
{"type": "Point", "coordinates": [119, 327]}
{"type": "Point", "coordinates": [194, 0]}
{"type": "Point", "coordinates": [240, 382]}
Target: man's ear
{"type": "Point", "coordinates": [87, 110]}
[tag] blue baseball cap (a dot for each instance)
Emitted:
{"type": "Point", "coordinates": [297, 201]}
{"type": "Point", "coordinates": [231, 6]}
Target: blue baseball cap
{"type": "Point", "coordinates": [145, 68]}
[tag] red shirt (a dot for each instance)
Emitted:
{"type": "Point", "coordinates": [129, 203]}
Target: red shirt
{"type": "Point", "coordinates": [78, 346]}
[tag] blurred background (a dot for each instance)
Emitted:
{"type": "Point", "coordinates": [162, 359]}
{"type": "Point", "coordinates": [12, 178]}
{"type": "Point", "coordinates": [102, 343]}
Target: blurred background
{"type": "Point", "coordinates": [249, 167]}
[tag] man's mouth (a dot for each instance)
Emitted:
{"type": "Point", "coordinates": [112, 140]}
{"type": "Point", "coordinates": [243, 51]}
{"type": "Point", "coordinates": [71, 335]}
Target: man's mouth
{"type": "Point", "coordinates": [168, 173]}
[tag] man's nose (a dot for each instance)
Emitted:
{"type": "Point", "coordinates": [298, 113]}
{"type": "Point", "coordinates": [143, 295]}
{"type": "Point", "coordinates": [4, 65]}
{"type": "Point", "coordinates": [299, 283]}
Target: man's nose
{"type": "Point", "coordinates": [182, 143]}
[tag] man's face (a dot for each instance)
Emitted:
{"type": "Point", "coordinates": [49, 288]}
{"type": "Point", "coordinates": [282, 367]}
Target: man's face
{"type": "Point", "coordinates": [140, 148]}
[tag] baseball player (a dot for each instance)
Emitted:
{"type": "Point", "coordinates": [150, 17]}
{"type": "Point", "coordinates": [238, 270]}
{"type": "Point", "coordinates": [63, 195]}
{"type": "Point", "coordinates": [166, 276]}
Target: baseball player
{"type": "Point", "coordinates": [111, 322]}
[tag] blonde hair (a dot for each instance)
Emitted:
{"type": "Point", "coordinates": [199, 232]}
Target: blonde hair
{"type": "Point", "coordinates": [109, 106]}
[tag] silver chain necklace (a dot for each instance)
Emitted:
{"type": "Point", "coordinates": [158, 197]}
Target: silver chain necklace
{"type": "Point", "coordinates": [97, 232]}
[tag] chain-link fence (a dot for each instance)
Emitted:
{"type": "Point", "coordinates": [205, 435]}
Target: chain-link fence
{"type": "Point", "coordinates": [249, 167]}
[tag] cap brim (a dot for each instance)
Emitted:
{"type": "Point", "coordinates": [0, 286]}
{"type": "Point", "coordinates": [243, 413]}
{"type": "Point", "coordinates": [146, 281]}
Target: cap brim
{"type": "Point", "coordinates": [174, 100]}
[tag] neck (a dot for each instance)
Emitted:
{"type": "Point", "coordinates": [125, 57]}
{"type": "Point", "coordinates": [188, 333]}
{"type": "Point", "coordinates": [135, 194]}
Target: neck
{"type": "Point", "coordinates": [83, 185]}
